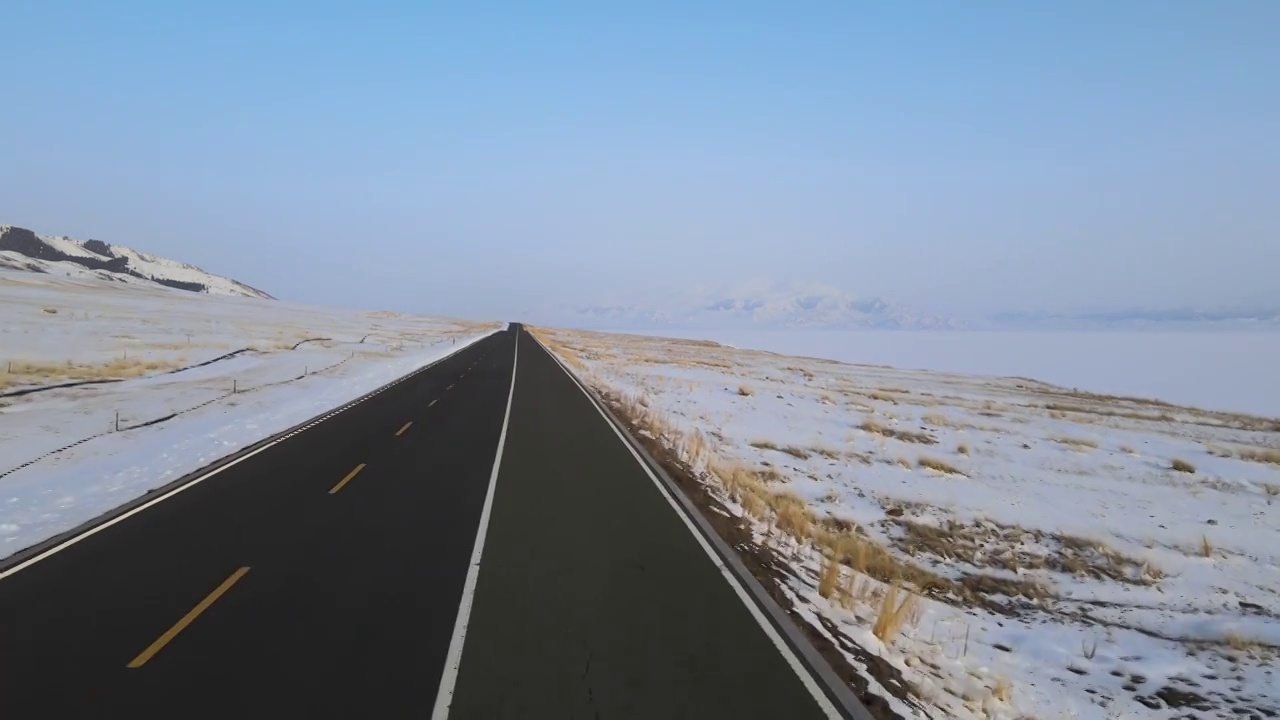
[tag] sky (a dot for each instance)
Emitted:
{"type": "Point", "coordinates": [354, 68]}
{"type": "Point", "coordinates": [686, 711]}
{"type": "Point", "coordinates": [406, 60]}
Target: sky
{"type": "Point", "coordinates": [483, 159]}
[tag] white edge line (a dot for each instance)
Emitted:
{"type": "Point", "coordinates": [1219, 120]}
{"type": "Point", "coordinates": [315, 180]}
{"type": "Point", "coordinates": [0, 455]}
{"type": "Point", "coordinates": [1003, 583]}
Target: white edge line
{"type": "Point", "coordinates": [801, 671]}
{"type": "Point", "coordinates": [288, 434]}
{"type": "Point", "coordinates": [453, 659]}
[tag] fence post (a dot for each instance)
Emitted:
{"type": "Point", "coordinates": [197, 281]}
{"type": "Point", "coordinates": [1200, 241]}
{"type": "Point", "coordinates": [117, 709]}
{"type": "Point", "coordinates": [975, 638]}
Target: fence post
{"type": "Point", "coordinates": [233, 386]}
{"type": "Point", "coordinates": [117, 421]}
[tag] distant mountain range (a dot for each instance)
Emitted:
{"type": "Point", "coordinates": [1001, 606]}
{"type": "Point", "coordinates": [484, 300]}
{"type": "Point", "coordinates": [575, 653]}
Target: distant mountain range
{"type": "Point", "coordinates": [1174, 318]}
{"type": "Point", "coordinates": [22, 249]}
{"type": "Point", "coordinates": [782, 306]}
{"type": "Point", "coordinates": [759, 305]}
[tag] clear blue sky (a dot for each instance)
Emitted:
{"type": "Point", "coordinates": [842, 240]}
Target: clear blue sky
{"type": "Point", "coordinates": [484, 159]}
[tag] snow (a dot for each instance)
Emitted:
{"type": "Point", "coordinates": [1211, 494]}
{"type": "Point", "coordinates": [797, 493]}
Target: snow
{"type": "Point", "coordinates": [154, 266]}
{"type": "Point", "coordinates": [1147, 580]}
{"type": "Point", "coordinates": [67, 246]}
{"type": "Point", "coordinates": [145, 264]}
{"type": "Point", "coordinates": [1212, 369]}
{"type": "Point", "coordinates": [140, 333]}
{"type": "Point", "coordinates": [10, 260]}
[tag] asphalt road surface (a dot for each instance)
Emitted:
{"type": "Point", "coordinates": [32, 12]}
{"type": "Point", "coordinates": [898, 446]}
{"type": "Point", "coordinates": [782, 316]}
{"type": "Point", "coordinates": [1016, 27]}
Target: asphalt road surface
{"type": "Point", "coordinates": [332, 574]}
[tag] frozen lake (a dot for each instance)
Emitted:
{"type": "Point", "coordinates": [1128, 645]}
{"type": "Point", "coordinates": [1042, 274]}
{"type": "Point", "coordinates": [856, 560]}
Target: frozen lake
{"type": "Point", "coordinates": [1237, 371]}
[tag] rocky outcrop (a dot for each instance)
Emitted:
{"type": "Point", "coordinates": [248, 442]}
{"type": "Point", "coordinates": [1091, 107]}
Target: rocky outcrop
{"type": "Point", "coordinates": [99, 247]}
{"type": "Point", "coordinates": [25, 242]}
{"type": "Point", "coordinates": [115, 263]}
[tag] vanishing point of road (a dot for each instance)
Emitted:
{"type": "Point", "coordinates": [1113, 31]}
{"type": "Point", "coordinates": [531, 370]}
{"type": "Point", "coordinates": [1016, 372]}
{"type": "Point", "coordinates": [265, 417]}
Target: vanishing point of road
{"type": "Point", "coordinates": [476, 540]}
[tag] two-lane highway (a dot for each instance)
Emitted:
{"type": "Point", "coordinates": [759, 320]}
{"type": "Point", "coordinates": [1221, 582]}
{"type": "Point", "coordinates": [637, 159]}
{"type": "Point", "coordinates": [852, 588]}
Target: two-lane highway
{"type": "Point", "coordinates": [286, 585]}
{"type": "Point", "coordinates": [476, 541]}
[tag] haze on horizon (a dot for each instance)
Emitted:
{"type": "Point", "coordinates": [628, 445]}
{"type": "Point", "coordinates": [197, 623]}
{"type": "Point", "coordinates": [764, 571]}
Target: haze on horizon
{"type": "Point", "coordinates": [483, 161]}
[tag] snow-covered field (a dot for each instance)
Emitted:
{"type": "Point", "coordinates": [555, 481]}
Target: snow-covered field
{"type": "Point", "coordinates": [1217, 369]}
{"type": "Point", "coordinates": [56, 330]}
{"type": "Point", "coordinates": [1009, 548]}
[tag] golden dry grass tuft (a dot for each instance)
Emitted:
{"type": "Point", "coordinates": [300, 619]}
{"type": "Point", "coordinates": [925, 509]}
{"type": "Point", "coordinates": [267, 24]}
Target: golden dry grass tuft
{"type": "Point", "coordinates": [939, 420]}
{"type": "Point", "coordinates": [1128, 449]}
{"type": "Point", "coordinates": [1206, 547]}
{"type": "Point", "coordinates": [1182, 466]}
{"type": "Point", "coordinates": [746, 391]}
{"type": "Point", "coordinates": [806, 372]}
{"type": "Point", "coordinates": [962, 448]}
{"type": "Point", "coordinates": [829, 577]}
{"type": "Point", "coordinates": [798, 453]}
{"type": "Point", "coordinates": [791, 514]}
{"type": "Point", "coordinates": [875, 428]}
{"type": "Point", "coordinates": [1077, 442]}
{"type": "Point", "coordinates": [895, 613]}
{"type": "Point", "coordinates": [32, 373]}
{"type": "Point", "coordinates": [937, 465]}
{"type": "Point", "coordinates": [1260, 455]}
{"type": "Point", "coordinates": [1271, 488]}
{"type": "Point", "coordinates": [1002, 690]}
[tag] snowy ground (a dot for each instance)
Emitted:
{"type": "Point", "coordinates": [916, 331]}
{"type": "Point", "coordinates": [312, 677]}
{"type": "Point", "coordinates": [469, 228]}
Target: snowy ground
{"type": "Point", "coordinates": [1057, 565]}
{"type": "Point", "coordinates": [1210, 368]}
{"type": "Point", "coordinates": [55, 330]}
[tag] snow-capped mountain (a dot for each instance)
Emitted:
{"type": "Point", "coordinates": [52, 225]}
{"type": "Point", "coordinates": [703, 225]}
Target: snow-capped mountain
{"type": "Point", "coordinates": [760, 305]}
{"type": "Point", "coordinates": [22, 249]}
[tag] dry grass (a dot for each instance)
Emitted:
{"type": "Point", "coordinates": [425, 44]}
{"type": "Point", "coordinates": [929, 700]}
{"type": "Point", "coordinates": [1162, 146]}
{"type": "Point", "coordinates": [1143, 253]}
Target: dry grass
{"type": "Point", "coordinates": [1002, 690]}
{"type": "Point", "coordinates": [808, 374]}
{"type": "Point", "coordinates": [1252, 454]}
{"type": "Point", "coordinates": [826, 451]}
{"type": "Point", "coordinates": [988, 544]}
{"type": "Point", "coordinates": [1077, 442]}
{"type": "Point", "coordinates": [829, 577]}
{"type": "Point", "coordinates": [963, 449]}
{"type": "Point", "coordinates": [35, 373]}
{"type": "Point", "coordinates": [894, 614]}
{"type": "Point", "coordinates": [871, 426]}
{"type": "Point", "coordinates": [856, 589]}
{"type": "Point", "coordinates": [1128, 449]}
{"type": "Point", "coordinates": [840, 542]}
{"type": "Point", "coordinates": [882, 397]}
{"type": "Point", "coordinates": [940, 420]}
{"type": "Point", "coordinates": [565, 353]}
{"type": "Point", "coordinates": [798, 453]}
{"type": "Point", "coordinates": [1271, 488]}
{"type": "Point", "coordinates": [791, 514]}
{"type": "Point", "coordinates": [745, 391]}
{"type": "Point", "coordinates": [1261, 455]}
{"type": "Point", "coordinates": [904, 462]}
{"type": "Point", "coordinates": [1157, 410]}
{"type": "Point", "coordinates": [1206, 547]}
{"type": "Point", "coordinates": [937, 465]}
{"type": "Point", "coordinates": [1182, 466]}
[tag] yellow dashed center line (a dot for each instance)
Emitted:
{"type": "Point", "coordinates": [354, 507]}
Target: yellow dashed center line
{"type": "Point", "coordinates": [401, 430]}
{"type": "Point", "coordinates": [347, 479]}
{"type": "Point", "coordinates": [186, 620]}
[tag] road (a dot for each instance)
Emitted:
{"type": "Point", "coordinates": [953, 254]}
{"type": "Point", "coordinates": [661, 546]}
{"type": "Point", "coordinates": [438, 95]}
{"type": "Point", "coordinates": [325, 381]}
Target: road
{"type": "Point", "coordinates": [476, 541]}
